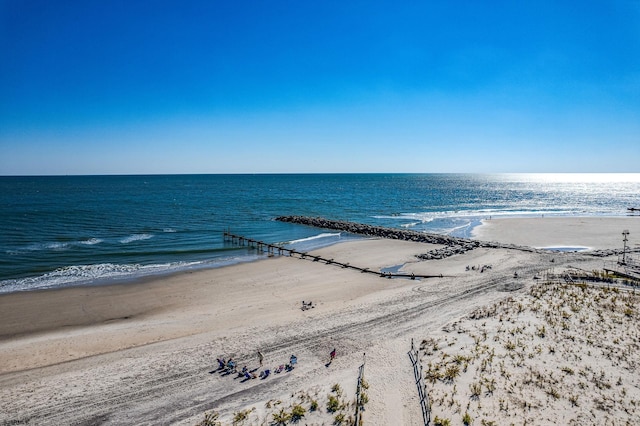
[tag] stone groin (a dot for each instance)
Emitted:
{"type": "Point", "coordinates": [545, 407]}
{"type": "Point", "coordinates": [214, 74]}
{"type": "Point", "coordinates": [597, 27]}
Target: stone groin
{"type": "Point", "coordinates": [452, 245]}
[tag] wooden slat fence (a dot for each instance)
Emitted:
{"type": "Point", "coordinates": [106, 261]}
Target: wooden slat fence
{"type": "Point", "coordinates": [414, 356]}
{"type": "Point", "coordinates": [359, 403]}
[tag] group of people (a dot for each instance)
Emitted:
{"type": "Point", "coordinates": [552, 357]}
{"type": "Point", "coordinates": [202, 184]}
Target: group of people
{"type": "Point", "coordinates": [229, 366]}
{"type": "Point", "coordinates": [226, 366]}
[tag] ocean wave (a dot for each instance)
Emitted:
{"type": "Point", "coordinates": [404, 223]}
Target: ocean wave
{"type": "Point", "coordinates": [91, 241]}
{"type": "Point", "coordinates": [422, 217]}
{"type": "Point", "coordinates": [109, 272]}
{"type": "Point", "coordinates": [135, 237]}
{"type": "Point", "coordinates": [67, 276]}
{"type": "Point", "coordinates": [84, 274]}
{"type": "Point", "coordinates": [315, 237]}
{"type": "Point", "coordinates": [409, 225]}
{"type": "Point", "coordinates": [169, 230]}
{"type": "Point", "coordinates": [56, 246]}
{"type": "Point", "coordinates": [465, 230]}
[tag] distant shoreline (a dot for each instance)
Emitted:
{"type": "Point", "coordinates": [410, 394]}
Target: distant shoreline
{"type": "Point", "coordinates": [587, 233]}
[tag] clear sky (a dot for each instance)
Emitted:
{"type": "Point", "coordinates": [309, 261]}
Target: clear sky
{"type": "Point", "coordinates": [277, 86]}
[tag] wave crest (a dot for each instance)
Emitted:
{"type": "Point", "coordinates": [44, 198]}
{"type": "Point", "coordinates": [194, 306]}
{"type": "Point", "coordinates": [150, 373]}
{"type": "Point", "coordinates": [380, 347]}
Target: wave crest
{"type": "Point", "coordinates": [315, 237]}
{"type": "Point", "coordinates": [84, 274]}
{"type": "Point", "coordinates": [91, 241]}
{"type": "Point", "coordinates": [135, 237]}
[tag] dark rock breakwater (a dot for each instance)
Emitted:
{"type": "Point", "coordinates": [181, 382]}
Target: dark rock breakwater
{"type": "Point", "coordinates": [452, 245]}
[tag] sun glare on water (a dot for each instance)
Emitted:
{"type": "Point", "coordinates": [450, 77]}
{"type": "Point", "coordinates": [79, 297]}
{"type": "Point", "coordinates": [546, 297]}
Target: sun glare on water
{"type": "Point", "coordinates": [583, 177]}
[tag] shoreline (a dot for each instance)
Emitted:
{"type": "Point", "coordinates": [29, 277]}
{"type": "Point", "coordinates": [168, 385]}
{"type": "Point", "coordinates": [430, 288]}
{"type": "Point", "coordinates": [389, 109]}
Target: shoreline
{"type": "Point", "coordinates": [215, 263]}
{"type": "Point", "coordinates": [475, 233]}
{"type": "Point", "coordinates": [145, 352]}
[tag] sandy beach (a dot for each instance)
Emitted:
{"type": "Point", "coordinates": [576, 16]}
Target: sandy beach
{"type": "Point", "coordinates": [579, 232]}
{"type": "Point", "coordinates": [145, 353]}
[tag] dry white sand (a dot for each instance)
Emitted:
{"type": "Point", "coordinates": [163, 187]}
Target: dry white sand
{"type": "Point", "coordinates": [143, 353]}
{"type": "Point", "coordinates": [543, 232]}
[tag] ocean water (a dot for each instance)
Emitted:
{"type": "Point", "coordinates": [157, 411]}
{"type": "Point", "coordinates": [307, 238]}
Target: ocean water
{"type": "Point", "coordinates": [82, 230]}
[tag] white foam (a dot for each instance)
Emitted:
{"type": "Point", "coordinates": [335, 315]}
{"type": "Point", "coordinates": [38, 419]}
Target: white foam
{"type": "Point", "coordinates": [104, 272]}
{"type": "Point", "coordinates": [422, 217]}
{"type": "Point", "coordinates": [56, 246]}
{"type": "Point", "coordinates": [135, 237]}
{"type": "Point", "coordinates": [83, 274]}
{"type": "Point", "coordinates": [67, 276]}
{"type": "Point", "coordinates": [45, 246]}
{"type": "Point", "coordinates": [409, 225]}
{"type": "Point", "coordinates": [315, 237]}
{"type": "Point", "coordinates": [91, 241]}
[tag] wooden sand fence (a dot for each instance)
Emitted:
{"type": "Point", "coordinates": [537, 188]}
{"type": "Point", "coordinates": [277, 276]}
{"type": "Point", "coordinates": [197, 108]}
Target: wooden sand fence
{"type": "Point", "coordinates": [414, 356]}
{"type": "Point", "coordinates": [359, 402]}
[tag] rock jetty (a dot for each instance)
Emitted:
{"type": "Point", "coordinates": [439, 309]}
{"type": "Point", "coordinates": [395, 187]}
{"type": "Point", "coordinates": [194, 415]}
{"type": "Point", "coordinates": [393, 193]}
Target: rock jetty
{"type": "Point", "coordinates": [452, 245]}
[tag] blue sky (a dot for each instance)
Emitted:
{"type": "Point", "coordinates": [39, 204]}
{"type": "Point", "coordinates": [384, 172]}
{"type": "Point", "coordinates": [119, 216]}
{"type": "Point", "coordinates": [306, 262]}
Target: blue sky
{"type": "Point", "coordinates": [111, 87]}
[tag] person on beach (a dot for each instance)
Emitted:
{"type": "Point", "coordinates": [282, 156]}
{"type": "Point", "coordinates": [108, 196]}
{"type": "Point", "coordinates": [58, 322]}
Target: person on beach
{"type": "Point", "coordinates": [231, 365]}
{"type": "Point", "coordinates": [260, 358]}
{"type": "Point", "coordinates": [221, 363]}
{"type": "Point", "coordinates": [333, 354]}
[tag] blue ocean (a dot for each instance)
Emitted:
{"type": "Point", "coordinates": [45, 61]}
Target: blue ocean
{"type": "Point", "coordinates": [84, 230]}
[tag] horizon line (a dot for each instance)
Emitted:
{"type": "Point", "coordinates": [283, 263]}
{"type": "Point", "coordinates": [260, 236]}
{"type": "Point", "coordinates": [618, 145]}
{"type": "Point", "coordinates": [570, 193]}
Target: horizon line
{"type": "Point", "coordinates": [311, 173]}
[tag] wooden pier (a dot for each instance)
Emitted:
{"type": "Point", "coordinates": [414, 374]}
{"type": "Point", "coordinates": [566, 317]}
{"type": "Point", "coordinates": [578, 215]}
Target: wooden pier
{"type": "Point", "coordinates": [272, 249]}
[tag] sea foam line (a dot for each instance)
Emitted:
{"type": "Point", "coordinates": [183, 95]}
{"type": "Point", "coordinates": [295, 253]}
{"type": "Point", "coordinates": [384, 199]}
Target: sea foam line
{"type": "Point", "coordinates": [315, 237]}
{"type": "Point", "coordinates": [91, 241]}
{"type": "Point", "coordinates": [105, 272]}
{"type": "Point", "coordinates": [83, 274]}
{"type": "Point", "coordinates": [135, 237]}
{"type": "Point", "coordinates": [54, 245]}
